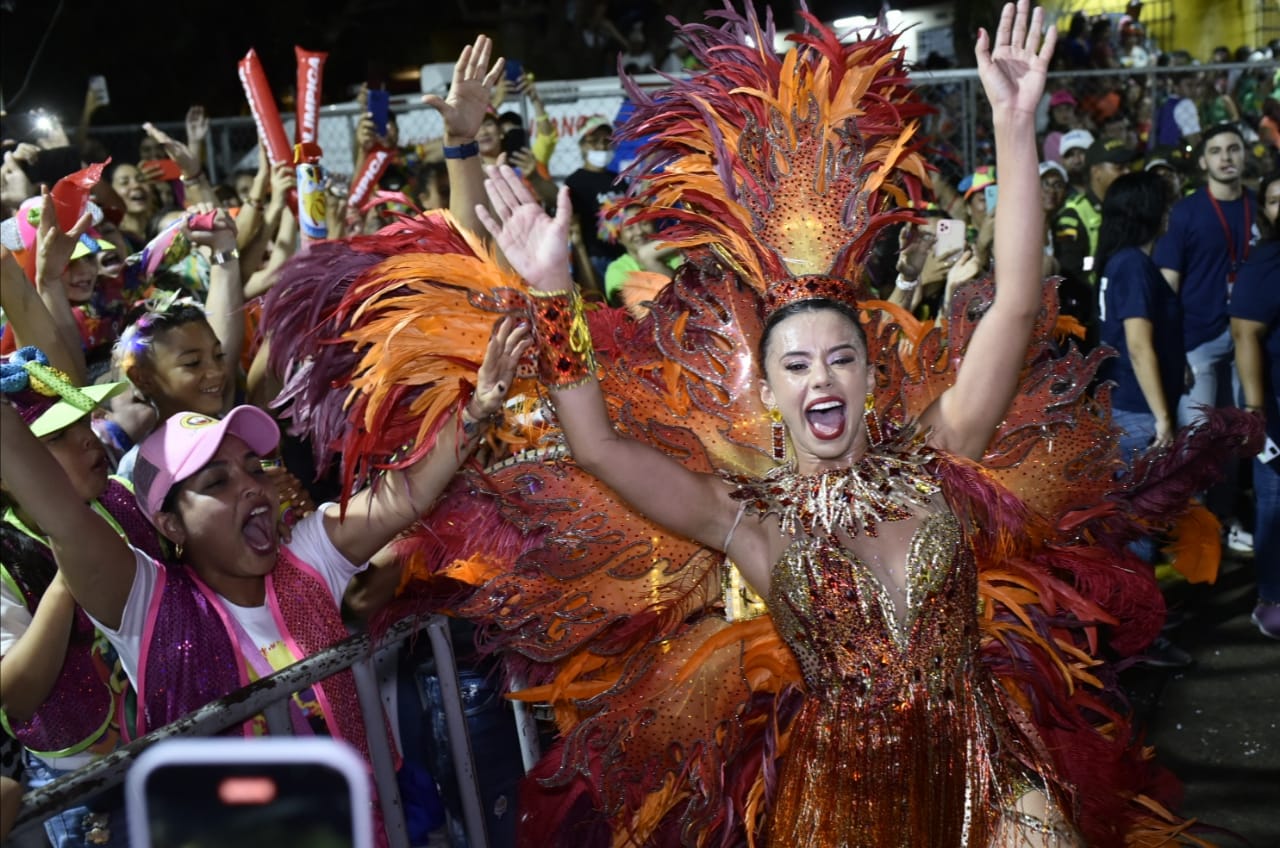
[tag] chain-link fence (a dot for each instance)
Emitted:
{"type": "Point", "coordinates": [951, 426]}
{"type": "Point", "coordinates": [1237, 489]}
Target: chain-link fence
{"type": "Point", "coordinates": [958, 129]}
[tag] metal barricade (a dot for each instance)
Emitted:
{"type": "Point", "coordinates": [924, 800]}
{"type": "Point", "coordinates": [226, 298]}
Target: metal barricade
{"type": "Point", "coordinates": [270, 696]}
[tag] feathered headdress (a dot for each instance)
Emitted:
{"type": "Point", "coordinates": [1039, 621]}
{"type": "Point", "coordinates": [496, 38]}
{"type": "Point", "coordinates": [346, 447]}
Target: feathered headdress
{"type": "Point", "coordinates": [788, 168]}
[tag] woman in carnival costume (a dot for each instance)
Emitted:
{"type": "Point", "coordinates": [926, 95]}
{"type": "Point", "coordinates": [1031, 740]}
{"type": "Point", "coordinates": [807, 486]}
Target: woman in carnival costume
{"type": "Point", "coordinates": [928, 673]}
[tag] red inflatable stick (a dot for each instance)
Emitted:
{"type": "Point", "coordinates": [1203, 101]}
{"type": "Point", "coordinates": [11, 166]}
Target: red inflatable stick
{"type": "Point", "coordinates": [370, 172]}
{"type": "Point", "coordinates": [263, 106]}
{"type": "Point", "coordinates": [310, 74]}
{"type": "Point", "coordinates": [71, 194]}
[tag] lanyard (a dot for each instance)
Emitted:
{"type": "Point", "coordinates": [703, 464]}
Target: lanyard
{"type": "Point", "coordinates": [1226, 230]}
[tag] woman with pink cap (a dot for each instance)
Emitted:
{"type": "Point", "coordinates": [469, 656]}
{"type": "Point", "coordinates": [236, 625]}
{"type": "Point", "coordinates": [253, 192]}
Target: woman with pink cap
{"type": "Point", "coordinates": [243, 598]}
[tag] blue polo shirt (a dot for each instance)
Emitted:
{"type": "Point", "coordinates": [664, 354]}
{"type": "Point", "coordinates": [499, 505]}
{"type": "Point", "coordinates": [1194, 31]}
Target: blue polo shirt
{"type": "Point", "coordinates": [1257, 298]}
{"type": "Point", "coordinates": [1132, 287]}
{"type": "Point", "coordinates": [1195, 246]}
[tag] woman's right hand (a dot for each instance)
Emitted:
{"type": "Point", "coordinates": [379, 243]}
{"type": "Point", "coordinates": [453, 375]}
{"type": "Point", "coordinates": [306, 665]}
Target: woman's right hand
{"type": "Point", "coordinates": [53, 246]}
{"type": "Point", "coordinates": [535, 244]}
{"type": "Point", "coordinates": [469, 94]}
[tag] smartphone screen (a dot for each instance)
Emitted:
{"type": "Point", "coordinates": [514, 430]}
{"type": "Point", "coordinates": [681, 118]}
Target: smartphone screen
{"type": "Point", "coordinates": [380, 109]}
{"type": "Point", "coordinates": [254, 793]}
{"type": "Point", "coordinates": [950, 238]}
{"type": "Point", "coordinates": [98, 84]}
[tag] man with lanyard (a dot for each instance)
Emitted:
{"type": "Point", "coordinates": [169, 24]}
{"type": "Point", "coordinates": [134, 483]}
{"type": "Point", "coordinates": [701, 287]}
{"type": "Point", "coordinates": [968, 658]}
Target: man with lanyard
{"type": "Point", "coordinates": [1075, 231]}
{"type": "Point", "coordinates": [1200, 255]}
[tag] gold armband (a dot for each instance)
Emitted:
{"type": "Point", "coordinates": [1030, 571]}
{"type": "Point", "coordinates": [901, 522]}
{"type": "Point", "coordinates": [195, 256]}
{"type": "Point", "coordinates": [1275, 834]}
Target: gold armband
{"type": "Point", "coordinates": [566, 357]}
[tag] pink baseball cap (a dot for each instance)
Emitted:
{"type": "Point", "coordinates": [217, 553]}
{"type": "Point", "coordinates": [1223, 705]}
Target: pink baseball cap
{"type": "Point", "coordinates": [1061, 97]}
{"type": "Point", "coordinates": [186, 442]}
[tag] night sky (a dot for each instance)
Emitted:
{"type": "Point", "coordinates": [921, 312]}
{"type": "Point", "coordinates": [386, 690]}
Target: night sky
{"type": "Point", "coordinates": [159, 58]}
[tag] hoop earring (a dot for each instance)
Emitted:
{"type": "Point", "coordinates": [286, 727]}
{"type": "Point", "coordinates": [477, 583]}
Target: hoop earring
{"type": "Point", "coordinates": [872, 421]}
{"type": "Point", "coordinates": [778, 432]}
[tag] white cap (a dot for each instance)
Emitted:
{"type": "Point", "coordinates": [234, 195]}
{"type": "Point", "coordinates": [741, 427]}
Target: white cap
{"type": "Point", "coordinates": [1076, 139]}
{"type": "Point", "coordinates": [1046, 167]}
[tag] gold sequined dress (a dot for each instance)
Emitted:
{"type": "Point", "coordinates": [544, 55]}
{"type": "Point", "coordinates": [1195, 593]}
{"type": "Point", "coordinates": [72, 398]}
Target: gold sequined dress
{"type": "Point", "coordinates": [902, 739]}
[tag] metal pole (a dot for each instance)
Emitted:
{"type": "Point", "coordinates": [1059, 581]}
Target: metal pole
{"type": "Point", "coordinates": [212, 718]}
{"type": "Point", "coordinates": [526, 730]}
{"type": "Point", "coordinates": [384, 772]}
{"type": "Point", "coordinates": [277, 715]}
{"type": "Point", "coordinates": [464, 764]}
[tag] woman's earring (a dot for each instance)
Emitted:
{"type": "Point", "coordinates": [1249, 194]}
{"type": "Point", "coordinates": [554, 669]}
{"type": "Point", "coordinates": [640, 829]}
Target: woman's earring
{"type": "Point", "coordinates": [779, 434]}
{"type": "Point", "coordinates": [177, 549]}
{"type": "Point", "coordinates": [872, 421]}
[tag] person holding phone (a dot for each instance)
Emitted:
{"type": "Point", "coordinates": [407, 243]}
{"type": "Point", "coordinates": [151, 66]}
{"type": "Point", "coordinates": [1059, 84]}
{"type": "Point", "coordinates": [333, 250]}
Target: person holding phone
{"type": "Point", "coordinates": [1255, 329]}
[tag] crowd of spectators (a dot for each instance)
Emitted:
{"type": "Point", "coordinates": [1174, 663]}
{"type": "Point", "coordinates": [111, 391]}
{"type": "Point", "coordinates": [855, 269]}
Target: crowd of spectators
{"type": "Point", "coordinates": [1159, 192]}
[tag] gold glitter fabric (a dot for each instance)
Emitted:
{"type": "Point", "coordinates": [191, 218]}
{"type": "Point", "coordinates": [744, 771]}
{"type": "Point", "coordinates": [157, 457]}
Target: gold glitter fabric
{"type": "Point", "coordinates": [902, 739]}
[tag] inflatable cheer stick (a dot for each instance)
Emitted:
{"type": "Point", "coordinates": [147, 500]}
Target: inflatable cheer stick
{"type": "Point", "coordinates": [310, 75]}
{"type": "Point", "coordinates": [263, 106]}
{"type": "Point", "coordinates": [371, 171]}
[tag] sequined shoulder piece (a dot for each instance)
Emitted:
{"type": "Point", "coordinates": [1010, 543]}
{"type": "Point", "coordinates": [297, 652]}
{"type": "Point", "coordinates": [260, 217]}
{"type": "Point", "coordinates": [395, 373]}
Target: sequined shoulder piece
{"type": "Point", "coordinates": [882, 486]}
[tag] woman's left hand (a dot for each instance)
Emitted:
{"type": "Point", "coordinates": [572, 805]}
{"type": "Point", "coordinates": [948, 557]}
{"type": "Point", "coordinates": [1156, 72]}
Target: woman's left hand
{"type": "Point", "coordinates": [510, 338]}
{"type": "Point", "coordinates": [1013, 69]}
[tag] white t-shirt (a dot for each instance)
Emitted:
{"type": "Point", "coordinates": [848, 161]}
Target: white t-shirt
{"type": "Point", "coordinates": [14, 618]}
{"type": "Point", "coordinates": [310, 544]}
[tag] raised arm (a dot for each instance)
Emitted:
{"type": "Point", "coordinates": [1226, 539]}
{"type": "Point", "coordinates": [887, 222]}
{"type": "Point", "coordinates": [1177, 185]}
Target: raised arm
{"type": "Point", "coordinates": [97, 564]}
{"type": "Point", "coordinates": [463, 111]}
{"type": "Point", "coordinates": [1013, 76]}
{"type": "Point", "coordinates": [194, 177]}
{"type": "Point", "coordinates": [694, 505]}
{"type": "Point", "coordinates": [32, 324]}
{"type": "Point", "coordinates": [53, 254]}
{"type": "Point", "coordinates": [376, 515]}
{"type": "Point", "coordinates": [224, 304]}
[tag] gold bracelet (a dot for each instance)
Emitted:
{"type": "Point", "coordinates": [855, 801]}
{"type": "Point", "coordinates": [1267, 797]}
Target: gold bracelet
{"type": "Point", "coordinates": [566, 357]}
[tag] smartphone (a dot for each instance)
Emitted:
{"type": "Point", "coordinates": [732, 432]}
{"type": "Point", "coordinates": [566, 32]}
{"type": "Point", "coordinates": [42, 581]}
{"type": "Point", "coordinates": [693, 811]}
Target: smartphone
{"type": "Point", "coordinates": [514, 140]}
{"type": "Point", "coordinates": [380, 109]}
{"type": "Point", "coordinates": [42, 123]}
{"type": "Point", "coordinates": [98, 85]}
{"type": "Point", "coordinates": [1270, 452]}
{"type": "Point", "coordinates": [168, 168]}
{"type": "Point", "coordinates": [950, 236]}
{"type": "Point", "coordinates": [269, 792]}
{"type": "Point", "coordinates": [991, 193]}
{"type": "Point", "coordinates": [513, 69]}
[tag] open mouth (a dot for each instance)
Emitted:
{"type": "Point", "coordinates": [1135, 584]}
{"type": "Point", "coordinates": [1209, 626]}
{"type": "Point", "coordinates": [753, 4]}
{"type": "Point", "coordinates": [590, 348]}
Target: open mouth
{"type": "Point", "coordinates": [259, 531]}
{"type": "Point", "coordinates": [826, 418]}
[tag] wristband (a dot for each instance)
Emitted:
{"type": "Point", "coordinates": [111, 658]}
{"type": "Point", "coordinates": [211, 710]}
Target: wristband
{"type": "Point", "coordinates": [566, 357]}
{"type": "Point", "coordinates": [472, 426]}
{"type": "Point", "coordinates": [903, 284]}
{"type": "Point", "coordinates": [462, 151]}
{"type": "Point", "coordinates": [222, 257]}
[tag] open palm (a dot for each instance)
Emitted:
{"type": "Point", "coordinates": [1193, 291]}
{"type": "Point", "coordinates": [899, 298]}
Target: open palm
{"type": "Point", "coordinates": [1013, 69]}
{"type": "Point", "coordinates": [534, 243]}
{"type": "Point", "coordinates": [464, 108]}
